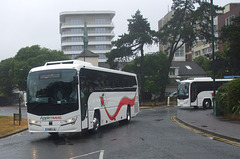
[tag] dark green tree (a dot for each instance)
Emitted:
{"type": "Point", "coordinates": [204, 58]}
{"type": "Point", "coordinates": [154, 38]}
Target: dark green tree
{"type": "Point", "coordinates": [231, 40]}
{"type": "Point", "coordinates": [155, 64]}
{"type": "Point", "coordinates": [222, 62]}
{"type": "Point", "coordinates": [187, 25]}
{"type": "Point", "coordinates": [6, 84]}
{"type": "Point", "coordinates": [27, 58]}
{"type": "Point", "coordinates": [128, 46]}
{"type": "Point", "coordinates": [204, 63]}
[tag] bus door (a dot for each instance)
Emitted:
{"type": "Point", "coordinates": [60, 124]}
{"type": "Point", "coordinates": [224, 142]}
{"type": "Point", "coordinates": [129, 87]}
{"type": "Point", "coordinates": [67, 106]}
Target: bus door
{"type": "Point", "coordinates": [83, 102]}
{"type": "Point", "coordinates": [194, 99]}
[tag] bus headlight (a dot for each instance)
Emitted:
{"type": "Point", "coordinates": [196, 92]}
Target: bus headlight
{"type": "Point", "coordinates": [34, 122]}
{"type": "Point", "coordinates": [69, 121]}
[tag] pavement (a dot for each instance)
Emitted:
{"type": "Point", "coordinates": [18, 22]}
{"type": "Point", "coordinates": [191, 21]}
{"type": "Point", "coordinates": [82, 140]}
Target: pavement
{"type": "Point", "coordinates": [202, 119]}
{"type": "Point", "coordinates": [205, 120]}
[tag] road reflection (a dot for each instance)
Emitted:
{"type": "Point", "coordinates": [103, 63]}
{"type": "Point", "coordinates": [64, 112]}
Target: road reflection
{"type": "Point", "coordinates": [34, 152]}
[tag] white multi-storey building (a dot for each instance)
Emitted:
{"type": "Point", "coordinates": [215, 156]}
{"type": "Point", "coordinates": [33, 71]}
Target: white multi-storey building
{"type": "Point", "coordinates": [99, 29]}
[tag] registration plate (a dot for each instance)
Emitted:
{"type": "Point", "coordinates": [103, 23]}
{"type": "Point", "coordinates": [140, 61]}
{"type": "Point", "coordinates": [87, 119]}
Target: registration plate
{"type": "Point", "coordinates": [50, 129]}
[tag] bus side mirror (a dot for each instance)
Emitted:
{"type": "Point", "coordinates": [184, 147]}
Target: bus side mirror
{"type": "Point", "coordinates": [75, 80]}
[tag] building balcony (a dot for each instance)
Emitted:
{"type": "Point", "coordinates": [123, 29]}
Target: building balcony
{"type": "Point", "coordinates": [100, 51]}
{"type": "Point", "coordinates": [68, 52]}
{"type": "Point", "coordinates": [69, 34]}
{"type": "Point", "coordinates": [101, 34]}
{"type": "Point", "coordinates": [99, 43]}
{"type": "Point", "coordinates": [72, 43]}
{"type": "Point", "coordinates": [89, 43]}
{"type": "Point", "coordinates": [72, 52]}
{"type": "Point", "coordinates": [66, 26]}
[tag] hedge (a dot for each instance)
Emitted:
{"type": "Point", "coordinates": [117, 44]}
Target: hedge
{"type": "Point", "coordinates": [228, 98]}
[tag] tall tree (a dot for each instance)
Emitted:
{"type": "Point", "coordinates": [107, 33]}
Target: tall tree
{"type": "Point", "coordinates": [129, 45]}
{"type": "Point", "coordinates": [186, 26]}
{"type": "Point", "coordinates": [155, 63]}
{"type": "Point", "coordinates": [231, 40]}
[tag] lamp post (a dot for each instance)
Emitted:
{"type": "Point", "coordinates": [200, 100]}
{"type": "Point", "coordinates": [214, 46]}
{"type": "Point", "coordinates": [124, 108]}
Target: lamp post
{"type": "Point", "coordinates": [85, 38]}
{"type": "Point", "coordinates": [19, 102]}
{"type": "Point", "coordinates": [213, 58]}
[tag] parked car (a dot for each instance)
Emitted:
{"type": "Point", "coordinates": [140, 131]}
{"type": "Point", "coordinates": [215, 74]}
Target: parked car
{"type": "Point", "coordinates": [173, 94]}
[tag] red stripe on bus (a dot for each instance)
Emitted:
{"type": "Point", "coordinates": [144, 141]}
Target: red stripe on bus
{"type": "Point", "coordinates": [124, 101]}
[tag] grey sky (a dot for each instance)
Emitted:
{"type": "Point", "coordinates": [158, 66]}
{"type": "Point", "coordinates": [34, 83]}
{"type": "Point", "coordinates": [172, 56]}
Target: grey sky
{"type": "Point", "coordinates": [29, 22]}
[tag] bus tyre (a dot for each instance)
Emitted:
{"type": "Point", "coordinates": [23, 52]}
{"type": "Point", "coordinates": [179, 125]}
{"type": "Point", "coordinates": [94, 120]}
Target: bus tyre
{"type": "Point", "coordinates": [96, 122]}
{"type": "Point", "coordinates": [128, 119]}
{"type": "Point", "coordinates": [207, 103]}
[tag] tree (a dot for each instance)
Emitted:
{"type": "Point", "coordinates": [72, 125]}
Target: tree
{"type": "Point", "coordinates": [231, 40]}
{"type": "Point", "coordinates": [14, 71]}
{"type": "Point", "coordinates": [187, 25]}
{"type": "Point", "coordinates": [129, 45]}
{"type": "Point", "coordinates": [222, 62]}
{"type": "Point", "coordinates": [6, 84]}
{"type": "Point", "coordinates": [204, 63]}
{"type": "Point", "coordinates": [30, 57]}
{"type": "Point", "coordinates": [155, 63]}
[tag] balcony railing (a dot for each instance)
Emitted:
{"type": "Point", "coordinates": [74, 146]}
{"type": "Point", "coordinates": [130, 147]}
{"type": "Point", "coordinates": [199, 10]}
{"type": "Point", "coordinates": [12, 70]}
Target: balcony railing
{"type": "Point", "coordinates": [88, 23]}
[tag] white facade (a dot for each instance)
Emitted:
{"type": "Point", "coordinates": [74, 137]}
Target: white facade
{"type": "Point", "coordinates": [99, 28]}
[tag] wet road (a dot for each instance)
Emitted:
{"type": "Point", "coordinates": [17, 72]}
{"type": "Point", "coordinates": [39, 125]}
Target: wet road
{"type": "Point", "coordinates": [149, 135]}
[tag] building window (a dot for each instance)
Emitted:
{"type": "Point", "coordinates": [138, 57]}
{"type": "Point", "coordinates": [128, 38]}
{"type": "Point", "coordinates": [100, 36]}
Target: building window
{"type": "Point", "coordinates": [100, 21]}
{"type": "Point", "coordinates": [197, 53]}
{"type": "Point", "coordinates": [76, 39]}
{"type": "Point", "coordinates": [172, 72]}
{"type": "Point", "coordinates": [207, 51]}
{"type": "Point", "coordinates": [76, 21]}
{"type": "Point", "coordinates": [229, 20]}
{"type": "Point", "coordinates": [76, 31]}
{"type": "Point", "coordinates": [102, 56]}
{"type": "Point", "coordinates": [73, 56]}
{"type": "Point", "coordinates": [180, 52]}
{"type": "Point", "coordinates": [65, 40]}
{"type": "Point", "coordinates": [101, 47]}
{"type": "Point", "coordinates": [100, 38]}
{"type": "Point", "coordinates": [100, 30]}
{"type": "Point", "coordinates": [76, 48]}
{"type": "Point", "coordinates": [188, 67]}
{"type": "Point", "coordinates": [72, 48]}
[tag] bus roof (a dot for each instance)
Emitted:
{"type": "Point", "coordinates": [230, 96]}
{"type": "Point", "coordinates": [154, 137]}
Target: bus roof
{"type": "Point", "coordinates": [203, 79]}
{"type": "Point", "coordinates": [75, 64]}
{"type": "Point", "coordinates": [68, 62]}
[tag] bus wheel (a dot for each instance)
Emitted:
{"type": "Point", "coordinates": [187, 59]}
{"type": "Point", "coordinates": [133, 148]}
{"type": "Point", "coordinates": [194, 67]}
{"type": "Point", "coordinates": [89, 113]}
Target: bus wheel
{"type": "Point", "coordinates": [207, 103]}
{"type": "Point", "coordinates": [96, 122]}
{"type": "Point", "coordinates": [128, 119]}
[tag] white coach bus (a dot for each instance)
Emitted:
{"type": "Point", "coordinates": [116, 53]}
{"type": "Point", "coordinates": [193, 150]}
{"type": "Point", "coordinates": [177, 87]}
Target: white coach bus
{"type": "Point", "coordinates": [72, 95]}
{"type": "Point", "coordinates": [197, 92]}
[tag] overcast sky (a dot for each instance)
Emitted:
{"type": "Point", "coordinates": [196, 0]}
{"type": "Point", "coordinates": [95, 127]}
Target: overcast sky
{"type": "Point", "coordinates": [30, 22]}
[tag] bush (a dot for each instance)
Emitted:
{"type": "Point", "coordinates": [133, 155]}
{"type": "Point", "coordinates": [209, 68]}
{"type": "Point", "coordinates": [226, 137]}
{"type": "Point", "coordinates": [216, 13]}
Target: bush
{"type": "Point", "coordinates": [233, 97]}
{"type": "Point", "coordinates": [228, 97]}
{"type": "Point", "coordinates": [221, 98]}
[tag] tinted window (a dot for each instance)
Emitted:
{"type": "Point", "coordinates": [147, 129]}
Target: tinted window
{"type": "Point", "coordinates": [106, 81]}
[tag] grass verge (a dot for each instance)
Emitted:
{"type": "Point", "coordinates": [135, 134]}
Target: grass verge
{"type": "Point", "coordinates": [7, 125]}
